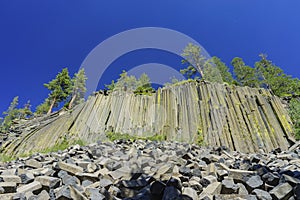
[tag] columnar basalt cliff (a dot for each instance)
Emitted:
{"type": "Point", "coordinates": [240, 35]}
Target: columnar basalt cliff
{"type": "Point", "coordinates": [241, 118]}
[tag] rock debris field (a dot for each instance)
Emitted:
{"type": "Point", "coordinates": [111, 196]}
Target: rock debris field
{"type": "Point", "coordinates": [152, 170]}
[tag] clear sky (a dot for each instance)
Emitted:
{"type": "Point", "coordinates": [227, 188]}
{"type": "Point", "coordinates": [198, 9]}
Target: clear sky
{"type": "Point", "coordinates": [39, 38]}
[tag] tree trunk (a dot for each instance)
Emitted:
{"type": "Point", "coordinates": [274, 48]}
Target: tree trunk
{"type": "Point", "coordinates": [72, 101]}
{"type": "Point", "coordinates": [51, 106]}
{"type": "Point", "coordinates": [200, 70]}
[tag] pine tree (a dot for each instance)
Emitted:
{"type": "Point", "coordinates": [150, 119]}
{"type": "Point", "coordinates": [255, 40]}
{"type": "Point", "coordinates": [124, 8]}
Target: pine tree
{"type": "Point", "coordinates": [295, 116]}
{"type": "Point", "coordinates": [192, 55]}
{"type": "Point", "coordinates": [60, 87]}
{"type": "Point", "coordinates": [245, 75]}
{"type": "Point", "coordinates": [190, 72]}
{"type": "Point", "coordinates": [43, 108]}
{"type": "Point", "coordinates": [25, 112]}
{"type": "Point", "coordinates": [111, 86]}
{"type": "Point", "coordinates": [125, 82]}
{"type": "Point", "coordinates": [211, 72]}
{"type": "Point", "coordinates": [10, 114]}
{"type": "Point", "coordinates": [274, 78]}
{"type": "Point", "coordinates": [223, 70]}
{"type": "Point", "coordinates": [78, 88]}
{"type": "Point", "coordinates": [144, 85]}
{"type": "Point", "coordinates": [198, 63]}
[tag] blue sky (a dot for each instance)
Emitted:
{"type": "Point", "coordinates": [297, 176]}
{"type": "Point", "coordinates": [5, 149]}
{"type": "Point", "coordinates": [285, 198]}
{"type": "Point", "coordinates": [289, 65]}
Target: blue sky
{"type": "Point", "coordinates": [39, 38]}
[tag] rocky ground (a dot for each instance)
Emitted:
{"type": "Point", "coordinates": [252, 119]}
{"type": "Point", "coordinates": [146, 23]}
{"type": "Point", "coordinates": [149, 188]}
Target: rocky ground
{"type": "Point", "coordinates": [152, 170]}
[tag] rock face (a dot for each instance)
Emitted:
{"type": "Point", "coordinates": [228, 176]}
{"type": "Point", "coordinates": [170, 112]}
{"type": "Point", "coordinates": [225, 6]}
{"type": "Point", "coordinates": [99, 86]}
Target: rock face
{"type": "Point", "coordinates": [241, 118]}
{"type": "Point", "coordinates": [160, 171]}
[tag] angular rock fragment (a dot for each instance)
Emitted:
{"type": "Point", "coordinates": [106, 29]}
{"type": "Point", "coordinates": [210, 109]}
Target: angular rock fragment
{"type": "Point", "coordinates": [71, 168]}
{"type": "Point", "coordinates": [261, 194]}
{"type": "Point", "coordinates": [282, 191]}
{"type": "Point", "coordinates": [31, 187]}
{"type": "Point", "coordinates": [49, 182]}
{"type": "Point", "coordinates": [254, 182]}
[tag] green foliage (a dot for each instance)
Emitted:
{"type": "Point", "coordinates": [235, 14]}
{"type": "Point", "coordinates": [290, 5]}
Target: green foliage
{"type": "Point", "coordinates": [111, 86]}
{"type": "Point", "coordinates": [211, 72]}
{"type": "Point", "coordinates": [192, 55]}
{"type": "Point", "coordinates": [294, 112]}
{"type": "Point", "coordinates": [58, 147]}
{"type": "Point", "coordinates": [60, 88]}
{"type": "Point", "coordinates": [43, 108]}
{"type": "Point", "coordinates": [10, 114]}
{"type": "Point", "coordinates": [174, 81]}
{"type": "Point", "coordinates": [200, 139]}
{"type": "Point", "coordinates": [274, 78]}
{"type": "Point", "coordinates": [78, 88]}
{"type": "Point", "coordinates": [198, 63]}
{"type": "Point", "coordinates": [223, 70]}
{"type": "Point", "coordinates": [190, 72]}
{"type": "Point", "coordinates": [25, 112]}
{"type": "Point", "coordinates": [130, 83]}
{"type": "Point", "coordinates": [119, 136]}
{"type": "Point", "coordinates": [6, 158]}
{"type": "Point", "coordinates": [14, 113]}
{"type": "Point", "coordinates": [245, 75]}
{"type": "Point", "coordinates": [124, 83]}
{"type": "Point", "coordinates": [144, 85]}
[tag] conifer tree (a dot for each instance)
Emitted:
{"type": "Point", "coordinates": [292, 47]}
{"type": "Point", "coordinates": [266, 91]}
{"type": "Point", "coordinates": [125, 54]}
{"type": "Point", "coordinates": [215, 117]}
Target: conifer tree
{"type": "Point", "coordinates": [245, 75]}
{"type": "Point", "coordinates": [223, 70]}
{"type": "Point", "coordinates": [274, 78]}
{"type": "Point", "coordinates": [60, 88]}
{"type": "Point", "coordinates": [295, 116]}
{"type": "Point", "coordinates": [144, 85]}
{"type": "Point", "coordinates": [192, 55]}
{"type": "Point", "coordinates": [43, 108]}
{"type": "Point", "coordinates": [211, 72]}
{"type": "Point", "coordinates": [126, 82]}
{"type": "Point", "coordinates": [78, 88]}
{"type": "Point", "coordinates": [199, 63]}
{"type": "Point", "coordinates": [10, 114]}
{"type": "Point", "coordinates": [25, 112]}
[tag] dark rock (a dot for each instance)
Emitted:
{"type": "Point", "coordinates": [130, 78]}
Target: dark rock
{"type": "Point", "coordinates": [157, 189]}
{"type": "Point", "coordinates": [271, 179]}
{"type": "Point", "coordinates": [291, 180]}
{"type": "Point", "coordinates": [254, 159]}
{"type": "Point", "coordinates": [175, 183]}
{"type": "Point", "coordinates": [205, 181]}
{"type": "Point", "coordinates": [229, 187]}
{"type": "Point", "coordinates": [171, 192]}
{"type": "Point", "coordinates": [297, 191]}
{"type": "Point", "coordinates": [27, 178]}
{"type": "Point", "coordinates": [185, 171]}
{"type": "Point", "coordinates": [135, 183]}
{"type": "Point", "coordinates": [190, 192]}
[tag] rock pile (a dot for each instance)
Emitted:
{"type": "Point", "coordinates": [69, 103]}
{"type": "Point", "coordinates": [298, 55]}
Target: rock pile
{"type": "Point", "coordinates": [152, 170]}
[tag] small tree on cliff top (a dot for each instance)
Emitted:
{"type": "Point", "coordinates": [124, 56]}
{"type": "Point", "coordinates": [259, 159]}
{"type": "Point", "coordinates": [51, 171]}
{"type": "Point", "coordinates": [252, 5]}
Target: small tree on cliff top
{"type": "Point", "coordinates": [192, 55]}
{"type": "Point", "coordinates": [60, 88]}
{"type": "Point", "coordinates": [78, 88]}
{"type": "Point", "coordinates": [10, 114]}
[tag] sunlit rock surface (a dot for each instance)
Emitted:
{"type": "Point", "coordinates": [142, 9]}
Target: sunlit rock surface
{"type": "Point", "coordinates": [241, 118]}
